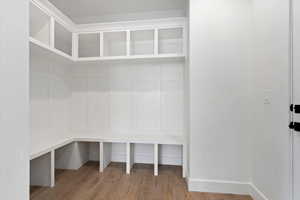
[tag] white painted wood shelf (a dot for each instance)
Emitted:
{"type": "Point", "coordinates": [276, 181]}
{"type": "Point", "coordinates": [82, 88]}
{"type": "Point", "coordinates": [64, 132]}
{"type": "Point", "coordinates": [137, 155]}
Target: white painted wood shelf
{"type": "Point", "coordinates": [36, 45]}
{"type": "Point", "coordinates": [172, 140]}
{"type": "Point", "coordinates": [79, 44]}
{"type": "Point", "coordinates": [38, 48]}
{"type": "Point", "coordinates": [105, 151]}
{"type": "Point", "coordinates": [130, 57]}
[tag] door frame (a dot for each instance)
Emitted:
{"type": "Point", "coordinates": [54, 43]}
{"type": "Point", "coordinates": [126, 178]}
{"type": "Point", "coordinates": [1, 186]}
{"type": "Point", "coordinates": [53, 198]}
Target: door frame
{"type": "Point", "coordinates": [291, 95]}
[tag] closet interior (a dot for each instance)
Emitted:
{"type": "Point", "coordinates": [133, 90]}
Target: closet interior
{"type": "Point", "coordinates": [106, 92]}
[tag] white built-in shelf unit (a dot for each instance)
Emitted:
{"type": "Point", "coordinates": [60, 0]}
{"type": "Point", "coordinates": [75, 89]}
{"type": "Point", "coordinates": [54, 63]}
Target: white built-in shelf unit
{"type": "Point", "coordinates": [164, 38]}
{"type": "Point", "coordinates": [53, 35]}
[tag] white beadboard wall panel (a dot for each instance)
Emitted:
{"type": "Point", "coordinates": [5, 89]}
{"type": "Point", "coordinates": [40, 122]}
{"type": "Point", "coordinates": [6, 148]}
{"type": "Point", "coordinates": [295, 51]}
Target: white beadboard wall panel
{"type": "Point", "coordinates": [98, 101]}
{"type": "Point", "coordinates": [120, 97]}
{"type": "Point", "coordinates": [146, 113]}
{"type": "Point", "coordinates": [50, 102]}
{"type": "Point", "coordinates": [172, 96]}
{"type": "Point", "coordinates": [129, 99]}
{"type": "Point", "coordinates": [172, 108]}
{"type": "Point", "coordinates": [78, 104]}
{"type": "Point", "coordinates": [60, 99]}
{"type": "Point", "coordinates": [120, 111]}
{"type": "Point", "coordinates": [146, 98]}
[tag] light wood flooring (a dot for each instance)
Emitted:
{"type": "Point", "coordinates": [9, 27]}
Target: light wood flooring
{"type": "Point", "coordinates": [88, 184]}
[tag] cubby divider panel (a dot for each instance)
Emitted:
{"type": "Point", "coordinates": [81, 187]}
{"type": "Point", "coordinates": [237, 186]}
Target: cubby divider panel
{"type": "Point", "coordinates": [105, 155]}
{"type": "Point", "coordinates": [40, 171]}
{"type": "Point", "coordinates": [129, 157]}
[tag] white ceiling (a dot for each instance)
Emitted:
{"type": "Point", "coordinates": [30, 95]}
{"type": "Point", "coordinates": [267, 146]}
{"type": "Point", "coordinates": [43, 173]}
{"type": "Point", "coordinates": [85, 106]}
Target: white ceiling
{"type": "Point", "coordinates": [92, 11]}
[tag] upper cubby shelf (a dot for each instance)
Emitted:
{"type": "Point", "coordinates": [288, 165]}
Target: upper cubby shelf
{"type": "Point", "coordinates": [89, 45]}
{"type": "Point", "coordinates": [63, 39]}
{"type": "Point", "coordinates": [148, 39]}
{"type": "Point", "coordinates": [39, 25]}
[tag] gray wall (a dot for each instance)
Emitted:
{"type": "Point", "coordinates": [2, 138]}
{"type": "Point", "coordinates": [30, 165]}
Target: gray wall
{"type": "Point", "coordinates": [14, 100]}
{"type": "Point", "coordinates": [239, 86]}
{"type": "Point", "coordinates": [220, 38]}
{"type": "Point", "coordinates": [270, 78]}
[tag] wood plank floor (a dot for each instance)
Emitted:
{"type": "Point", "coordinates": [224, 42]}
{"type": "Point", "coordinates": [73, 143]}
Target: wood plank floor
{"type": "Point", "coordinates": [88, 184]}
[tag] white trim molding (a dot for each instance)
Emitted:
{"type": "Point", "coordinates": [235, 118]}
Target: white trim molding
{"type": "Point", "coordinates": [218, 186]}
{"type": "Point", "coordinates": [226, 187]}
{"type": "Point", "coordinates": [256, 194]}
{"type": "Point", "coordinates": [133, 25]}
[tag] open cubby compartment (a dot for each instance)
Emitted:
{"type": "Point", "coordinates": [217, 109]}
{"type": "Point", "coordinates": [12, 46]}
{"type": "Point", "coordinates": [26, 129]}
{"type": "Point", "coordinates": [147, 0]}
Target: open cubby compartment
{"type": "Point", "coordinates": [170, 41]}
{"type": "Point", "coordinates": [42, 170]}
{"type": "Point", "coordinates": [142, 154]}
{"type": "Point", "coordinates": [76, 154]}
{"type": "Point", "coordinates": [40, 24]}
{"type": "Point", "coordinates": [115, 43]}
{"type": "Point", "coordinates": [142, 42]}
{"type": "Point", "coordinates": [112, 152]}
{"type": "Point", "coordinates": [63, 39]}
{"type": "Point", "coordinates": [171, 154]}
{"type": "Point", "coordinates": [89, 45]}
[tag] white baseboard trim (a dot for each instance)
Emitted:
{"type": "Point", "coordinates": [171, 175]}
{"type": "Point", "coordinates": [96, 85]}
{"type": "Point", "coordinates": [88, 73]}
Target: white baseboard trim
{"type": "Point", "coordinates": [226, 187]}
{"type": "Point", "coordinates": [255, 193]}
{"type": "Point", "coordinates": [218, 186]}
